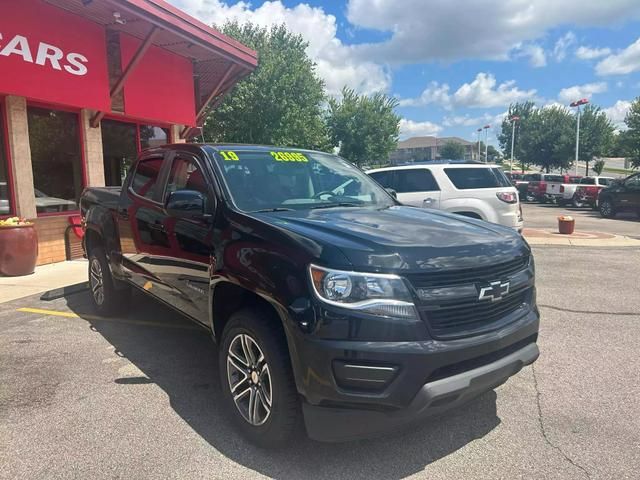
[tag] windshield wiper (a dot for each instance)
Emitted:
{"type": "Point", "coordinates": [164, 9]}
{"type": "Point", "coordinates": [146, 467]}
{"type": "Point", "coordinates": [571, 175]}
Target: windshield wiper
{"type": "Point", "coordinates": [275, 209]}
{"type": "Point", "coordinates": [339, 204]}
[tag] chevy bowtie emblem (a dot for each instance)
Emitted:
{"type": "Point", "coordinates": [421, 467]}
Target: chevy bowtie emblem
{"type": "Point", "coordinates": [494, 292]}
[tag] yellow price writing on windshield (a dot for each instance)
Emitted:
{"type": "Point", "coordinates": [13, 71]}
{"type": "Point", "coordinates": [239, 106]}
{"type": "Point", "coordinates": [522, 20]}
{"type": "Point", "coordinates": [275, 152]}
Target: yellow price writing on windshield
{"type": "Point", "coordinates": [289, 157]}
{"type": "Point", "coordinates": [229, 156]}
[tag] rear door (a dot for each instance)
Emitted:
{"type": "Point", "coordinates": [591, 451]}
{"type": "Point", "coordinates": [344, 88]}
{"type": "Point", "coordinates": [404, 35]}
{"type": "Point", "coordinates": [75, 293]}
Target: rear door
{"type": "Point", "coordinates": [629, 197]}
{"type": "Point", "coordinates": [417, 187]}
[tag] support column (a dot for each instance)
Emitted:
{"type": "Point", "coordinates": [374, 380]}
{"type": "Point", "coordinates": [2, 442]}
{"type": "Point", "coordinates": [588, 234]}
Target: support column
{"type": "Point", "coordinates": [93, 154]}
{"type": "Point", "coordinates": [20, 152]}
{"type": "Point", "coordinates": [174, 134]}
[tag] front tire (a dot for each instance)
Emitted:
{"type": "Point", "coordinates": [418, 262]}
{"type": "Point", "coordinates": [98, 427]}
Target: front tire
{"type": "Point", "coordinates": [256, 379]}
{"type": "Point", "coordinates": [106, 298]}
{"type": "Point", "coordinates": [606, 209]}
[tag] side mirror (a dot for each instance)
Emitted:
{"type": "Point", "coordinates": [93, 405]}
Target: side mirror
{"type": "Point", "coordinates": [392, 192]}
{"type": "Point", "coordinates": [185, 204]}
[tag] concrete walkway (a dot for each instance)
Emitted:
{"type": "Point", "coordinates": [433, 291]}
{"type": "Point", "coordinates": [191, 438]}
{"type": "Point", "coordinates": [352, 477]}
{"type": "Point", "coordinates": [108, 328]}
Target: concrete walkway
{"type": "Point", "coordinates": [46, 278]}
{"type": "Point", "coordinates": [538, 236]}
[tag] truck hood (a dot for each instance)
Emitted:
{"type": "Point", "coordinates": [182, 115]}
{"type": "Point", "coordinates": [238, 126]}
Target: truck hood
{"type": "Point", "coordinates": [402, 238]}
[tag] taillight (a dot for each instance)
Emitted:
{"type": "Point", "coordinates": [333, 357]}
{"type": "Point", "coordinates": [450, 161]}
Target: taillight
{"type": "Point", "coordinates": [507, 197]}
{"type": "Point", "coordinates": [561, 188]}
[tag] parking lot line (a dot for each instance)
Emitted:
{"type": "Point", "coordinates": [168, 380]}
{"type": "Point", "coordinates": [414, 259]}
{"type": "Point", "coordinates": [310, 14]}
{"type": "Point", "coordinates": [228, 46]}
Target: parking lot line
{"type": "Point", "coordinates": [58, 313]}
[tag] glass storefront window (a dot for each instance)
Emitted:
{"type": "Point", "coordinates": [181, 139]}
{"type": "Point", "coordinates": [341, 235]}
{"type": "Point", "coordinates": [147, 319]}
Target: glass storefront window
{"type": "Point", "coordinates": [119, 150]}
{"type": "Point", "coordinates": [5, 203]}
{"type": "Point", "coordinates": [151, 136]}
{"type": "Point", "coordinates": [55, 159]}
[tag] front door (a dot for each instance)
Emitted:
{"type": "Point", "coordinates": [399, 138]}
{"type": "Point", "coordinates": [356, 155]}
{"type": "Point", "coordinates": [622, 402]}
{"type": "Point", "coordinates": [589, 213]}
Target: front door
{"type": "Point", "coordinates": [187, 269]}
{"type": "Point", "coordinates": [144, 239]}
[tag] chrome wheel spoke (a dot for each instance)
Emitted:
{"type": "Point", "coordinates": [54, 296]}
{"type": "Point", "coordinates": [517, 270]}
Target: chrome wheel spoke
{"type": "Point", "coordinates": [249, 379]}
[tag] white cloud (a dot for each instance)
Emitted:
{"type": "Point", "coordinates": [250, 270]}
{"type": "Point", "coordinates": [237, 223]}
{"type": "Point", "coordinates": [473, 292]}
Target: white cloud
{"type": "Point", "coordinates": [617, 113]}
{"type": "Point", "coordinates": [588, 53]}
{"type": "Point", "coordinates": [425, 31]}
{"type": "Point", "coordinates": [562, 45]}
{"type": "Point", "coordinates": [435, 93]}
{"type": "Point", "coordinates": [621, 63]}
{"type": "Point", "coordinates": [469, 121]}
{"type": "Point", "coordinates": [482, 92]}
{"type": "Point", "coordinates": [336, 63]}
{"type": "Point", "coordinates": [535, 53]}
{"type": "Point", "coordinates": [570, 94]}
{"type": "Point", "coordinates": [410, 128]}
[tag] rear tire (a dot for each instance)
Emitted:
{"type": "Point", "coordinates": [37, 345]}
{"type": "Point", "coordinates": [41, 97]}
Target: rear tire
{"type": "Point", "coordinates": [106, 298]}
{"type": "Point", "coordinates": [606, 209]}
{"type": "Point", "coordinates": [254, 358]}
{"type": "Point", "coordinates": [577, 203]}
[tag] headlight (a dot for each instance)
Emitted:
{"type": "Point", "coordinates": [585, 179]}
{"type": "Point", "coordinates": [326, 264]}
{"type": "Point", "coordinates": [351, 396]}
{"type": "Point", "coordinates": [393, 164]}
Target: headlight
{"type": "Point", "coordinates": [372, 293]}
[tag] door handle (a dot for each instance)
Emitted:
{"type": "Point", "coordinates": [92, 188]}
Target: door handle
{"type": "Point", "coordinates": [428, 201]}
{"type": "Point", "coordinates": [157, 226]}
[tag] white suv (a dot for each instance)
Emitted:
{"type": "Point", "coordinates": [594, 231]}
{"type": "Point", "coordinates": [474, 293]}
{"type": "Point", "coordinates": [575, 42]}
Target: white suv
{"type": "Point", "coordinates": [476, 190]}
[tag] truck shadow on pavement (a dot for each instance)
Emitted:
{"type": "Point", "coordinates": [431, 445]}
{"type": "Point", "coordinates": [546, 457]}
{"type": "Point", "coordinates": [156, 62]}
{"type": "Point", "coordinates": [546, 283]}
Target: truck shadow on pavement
{"type": "Point", "coordinates": [182, 361]}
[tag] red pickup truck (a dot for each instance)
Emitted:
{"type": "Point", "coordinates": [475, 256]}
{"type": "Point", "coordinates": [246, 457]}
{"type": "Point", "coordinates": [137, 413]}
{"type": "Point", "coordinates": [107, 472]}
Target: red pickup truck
{"type": "Point", "coordinates": [587, 192]}
{"type": "Point", "coordinates": [537, 188]}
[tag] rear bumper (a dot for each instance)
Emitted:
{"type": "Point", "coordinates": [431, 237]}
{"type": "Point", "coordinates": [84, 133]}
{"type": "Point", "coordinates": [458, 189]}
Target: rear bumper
{"type": "Point", "coordinates": [342, 424]}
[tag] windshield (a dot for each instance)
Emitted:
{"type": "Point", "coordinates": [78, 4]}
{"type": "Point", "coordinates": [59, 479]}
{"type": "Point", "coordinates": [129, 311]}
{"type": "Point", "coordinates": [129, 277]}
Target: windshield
{"type": "Point", "coordinates": [260, 180]}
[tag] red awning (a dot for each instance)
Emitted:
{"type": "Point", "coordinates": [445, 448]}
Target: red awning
{"type": "Point", "coordinates": [218, 61]}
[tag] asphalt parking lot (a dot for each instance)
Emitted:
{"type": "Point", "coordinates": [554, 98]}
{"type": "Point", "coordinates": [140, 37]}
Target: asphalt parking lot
{"type": "Point", "coordinates": [137, 396]}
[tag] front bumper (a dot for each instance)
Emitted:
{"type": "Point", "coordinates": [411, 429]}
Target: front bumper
{"type": "Point", "coordinates": [399, 382]}
{"type": "Point", "coordinates": [342, 424]}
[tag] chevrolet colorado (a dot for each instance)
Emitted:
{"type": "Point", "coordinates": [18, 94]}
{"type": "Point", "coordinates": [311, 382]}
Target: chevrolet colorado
{"type": "Point", "coordinates": [332, 305]}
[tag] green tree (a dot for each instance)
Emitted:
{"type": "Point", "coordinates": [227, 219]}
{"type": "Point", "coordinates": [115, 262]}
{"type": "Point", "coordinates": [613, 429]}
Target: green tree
{"type": "Point", "coordinates": [452, 151]}
{"type": "Point", "coordinates": [548, 139]}
{"type": "Point", "coordinates": [596, 134]}
{"type": "Point", "coordinates": [524, 110]}
{"type": "Point", "coordinates": [631, 137]}
{"type": "Point", "coordinates": [494, 154]}
{"type": "Point", "coordinates": [598, 166]}
{"type": "Point", "coordinates": [365, 128]}
{"type": "Point", "coordinates": [281, 102]}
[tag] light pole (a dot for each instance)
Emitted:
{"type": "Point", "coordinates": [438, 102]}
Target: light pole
{"type": "Point", "coordinates": [577, 104]}
{"type": "Point", "coordinates": [513, 121]}
{"type": "Point", "coordinates": [486, 143]}
{"type": "Point", "coordinates": [479, 155]}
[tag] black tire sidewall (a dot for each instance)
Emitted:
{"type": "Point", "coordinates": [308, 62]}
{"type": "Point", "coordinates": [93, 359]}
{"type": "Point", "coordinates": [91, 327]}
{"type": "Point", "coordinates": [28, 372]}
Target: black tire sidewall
{"type": "Point", "coordinates": [110, 303]}
{"type": "Point", "coordinates": [280, 425]}
{"type": "Point", "coordinates": [611, 209]}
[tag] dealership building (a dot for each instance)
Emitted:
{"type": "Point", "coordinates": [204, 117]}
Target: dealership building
{"type": "Point", "coordinates": [84, 86]}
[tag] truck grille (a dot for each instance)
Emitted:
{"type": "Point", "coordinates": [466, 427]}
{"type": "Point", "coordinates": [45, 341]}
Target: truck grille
{"type": "Point", "coordinates": [468, 275]}
{"type": "Point", "coordinates": [474, 317]}
{"type": "Point", "coordinates": [468, 315]}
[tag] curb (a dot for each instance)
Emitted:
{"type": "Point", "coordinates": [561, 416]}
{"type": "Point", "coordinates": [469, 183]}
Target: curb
{"type": "Point", "coordinates": [617, 241]}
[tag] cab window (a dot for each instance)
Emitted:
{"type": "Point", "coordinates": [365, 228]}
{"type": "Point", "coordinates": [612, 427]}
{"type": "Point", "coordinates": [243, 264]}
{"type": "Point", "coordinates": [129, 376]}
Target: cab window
{"type": "Point", "coordinates": [145, 179]}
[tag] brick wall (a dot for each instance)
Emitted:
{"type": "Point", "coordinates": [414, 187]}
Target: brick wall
{"type": "Point", "coordinates": [51, 243]}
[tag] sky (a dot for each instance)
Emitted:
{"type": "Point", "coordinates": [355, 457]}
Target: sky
{"type": "Point", "coordinates": [457, 65]}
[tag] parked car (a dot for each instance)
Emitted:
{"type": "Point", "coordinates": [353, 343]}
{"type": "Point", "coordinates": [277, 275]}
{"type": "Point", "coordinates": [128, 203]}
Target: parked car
{"type": "Point", "coordinates": [330, 302]}
{"type": "Point", "coordinates": [475, 190]}
{"type": "Point", "coordinates": [557, 185]}
{"type": "Point", "coordinates": [621, 196]}
{"type": "Point", "coordinates": [587, 191]}
{"type": "Point", "coordinates": [520, 181]}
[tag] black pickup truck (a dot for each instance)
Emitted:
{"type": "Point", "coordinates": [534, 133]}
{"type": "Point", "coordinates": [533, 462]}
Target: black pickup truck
{"type": "Point", "coordinates": [332, 305]}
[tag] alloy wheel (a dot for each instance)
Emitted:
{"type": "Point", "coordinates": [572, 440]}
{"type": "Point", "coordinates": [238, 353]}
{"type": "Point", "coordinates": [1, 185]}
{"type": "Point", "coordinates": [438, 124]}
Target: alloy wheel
{"type": "Point", "coordinates": [96, 281]}
{"type": "Point", "coordinates": [605, 208]}
{"type": "Point", "coordinates": [249, 379]}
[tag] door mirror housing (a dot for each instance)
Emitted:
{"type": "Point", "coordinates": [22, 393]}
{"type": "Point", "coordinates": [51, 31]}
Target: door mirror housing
{"type": "Point", "coordinates": [392, 192]}
{"type": "Point", "coordinates": [185, 204]}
